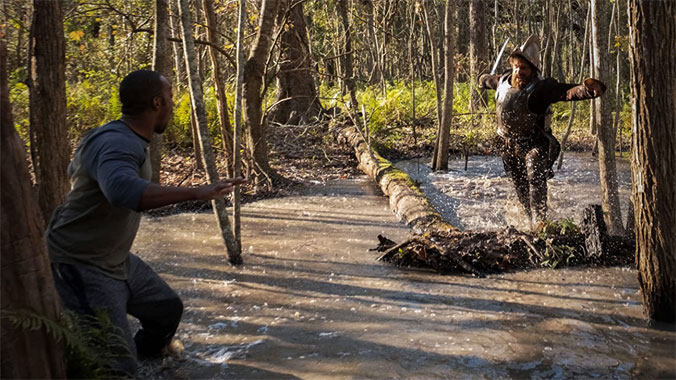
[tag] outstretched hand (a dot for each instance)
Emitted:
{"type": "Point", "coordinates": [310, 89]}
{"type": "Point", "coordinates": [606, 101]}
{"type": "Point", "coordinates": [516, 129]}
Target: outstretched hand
{"type": "Point", "coordinates": [595, 86]}
{"type": "Point", "coordinates": [218, 189]}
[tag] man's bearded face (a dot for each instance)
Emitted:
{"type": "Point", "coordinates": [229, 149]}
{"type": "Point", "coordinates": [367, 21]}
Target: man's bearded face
{"type": "Point", "coordinates": [522, 73]}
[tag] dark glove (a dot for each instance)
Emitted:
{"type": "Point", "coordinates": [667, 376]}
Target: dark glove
{"type": "Point", "coordinates": [595, 86]}
{"type": "Point", "coordinates": [482, 81]}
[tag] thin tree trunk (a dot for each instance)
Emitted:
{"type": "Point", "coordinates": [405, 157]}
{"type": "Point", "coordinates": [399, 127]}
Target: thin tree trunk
{"type": "Point", "coordinates": [441, 159]}
{"type": "Point", "coordinates": [297, 97]}
{"type": "Point", "coordinates": [27, 282]}
{"type": "Point", "coordinates": [237, 138]}
{"type": "Point", "coordinates": [610, 198]}
{"type": "Point", "coordinates": [653, 42]}
{"type": "Point", "coordinates": [195, 86]}
{"type": "Point", "coordinates": [347, 53]}
{"type": "Point", "coordinates": [162, 64]}
{"type": "Point", "coordinates": [477, 52]}
{"type": "Point", "coordinates": [435, 61]}
{"type": "Point", "coordinates": [214, 39]}
{"type": "Point", "coordinates": [574, 106]}
{"type": "Point", "coordinates": [179, 62]}
{"type": "Point", "coordinates": [48, 105]}
{"type": "Point", "coordinates": [253, 98]}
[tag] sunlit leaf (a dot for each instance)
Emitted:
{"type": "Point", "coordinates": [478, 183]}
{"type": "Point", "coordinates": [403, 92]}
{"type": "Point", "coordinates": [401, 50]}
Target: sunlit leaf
{"type": "Point", "coordinates": [76, 35]}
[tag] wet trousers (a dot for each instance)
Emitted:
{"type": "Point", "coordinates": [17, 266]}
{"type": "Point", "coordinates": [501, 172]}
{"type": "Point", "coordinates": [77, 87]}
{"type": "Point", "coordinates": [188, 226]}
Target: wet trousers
{"type": "Point", "coordinates": [528, 161]}
{"type": "Point", "coordinates": [144, 295]}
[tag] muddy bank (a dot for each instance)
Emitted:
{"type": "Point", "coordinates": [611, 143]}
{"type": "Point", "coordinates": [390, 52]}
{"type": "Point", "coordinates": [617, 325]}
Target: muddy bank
{"type": "Point", "coordinates": [312, 302]}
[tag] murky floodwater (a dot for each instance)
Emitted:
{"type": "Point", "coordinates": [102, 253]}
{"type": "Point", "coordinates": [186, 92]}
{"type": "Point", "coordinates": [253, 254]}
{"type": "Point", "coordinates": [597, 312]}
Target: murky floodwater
{"type": "Point", "coordinates": [312, 302]}
{"type": "Point", "coordinates": [483, 197]}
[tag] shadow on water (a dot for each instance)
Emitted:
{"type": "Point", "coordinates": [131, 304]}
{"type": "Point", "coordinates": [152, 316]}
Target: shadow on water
{"type": "Point", "coordinates": [311, 302]}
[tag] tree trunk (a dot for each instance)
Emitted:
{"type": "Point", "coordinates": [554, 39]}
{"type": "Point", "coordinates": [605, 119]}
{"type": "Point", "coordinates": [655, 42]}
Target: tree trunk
{"type": "Point", "coordinates": [441, 158]}
{"type": "Point", "coordinates": [197, 99]}
{"type": "Point", "coordinates": [179, 62]}
{"type": "Point", "coordinates": [27, 282]}
{"type": "Point", "coordinates": [347, 62]}
{"type": "Point", "coordinates": [435, 62]}
{"type": "Point", "coordinates": [297, 98]}
{"type": "Point", "coordinates": [653, 42]}
{"type": "Point", "coordinates": [463, 33]}
{"type": "Point", "coordinates": [478, 52]}
{"type": "Point", "coordinates": [48, 105]}
{"type": "Point", "coordinates": [162, 64]}
{"type": "Point", "coordinates": [214, 39]}
{"type": "Point", "coordinates": [237, 137]}
{"type": "Point", "coordinates": [254, 71]}
{"type": "Point", "coordinates": [604, 122]}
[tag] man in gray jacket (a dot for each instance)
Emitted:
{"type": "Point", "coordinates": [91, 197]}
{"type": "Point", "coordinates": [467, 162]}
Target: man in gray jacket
{"type": "Point", "coordinates": [90, 235]}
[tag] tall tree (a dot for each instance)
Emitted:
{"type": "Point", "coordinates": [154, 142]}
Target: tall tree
{"type": "Point", "coordinates": [27, 282]}
{"type": "Point", "coordinates": [162, 56]}
{"type": "Point", "coordinates": [254, 71]}
{"type": "Point", "coordinates": [197, 99]}
{"type": "Point", "coordinates": [478, 51]}
{"type": "Point", "coordinates": [346, 64]}
{"type": "Point", "coordinates": [214, 39]}
{"type": "Point", "coordinates": [441, 152]}
{"type": "Point", "coordinates": [297, 98]}
{"type": "Point", "coordinates": [653, 42]}
{"type": "Point", "coordinates": [610, 198]}
{"type": "Point", "coordinates": [237, 136]}
{"type": "Point", "coordinates": [48, 105]}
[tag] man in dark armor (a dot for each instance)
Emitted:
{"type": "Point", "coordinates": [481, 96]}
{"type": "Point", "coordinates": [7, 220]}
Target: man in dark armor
{"type": "Point", "coordinates": [523, 103]}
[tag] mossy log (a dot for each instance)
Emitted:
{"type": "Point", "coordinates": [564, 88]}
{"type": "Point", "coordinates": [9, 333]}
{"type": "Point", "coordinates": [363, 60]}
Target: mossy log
{"type": "Point", "coordinates": [406, 200]}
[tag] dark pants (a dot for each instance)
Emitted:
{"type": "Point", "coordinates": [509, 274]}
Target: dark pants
{"type": "Point", "coordinates": [144, 295]}
{"type": "Point", "coordinates": [529, 161]}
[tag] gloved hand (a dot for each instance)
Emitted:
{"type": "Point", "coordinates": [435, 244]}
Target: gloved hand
{"type": "Point", "coordinates": [595, 86]}
{"type": "Point", "coordinates": [482, 81]}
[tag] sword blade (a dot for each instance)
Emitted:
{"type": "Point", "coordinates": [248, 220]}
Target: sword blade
{"type": "Point", "coordinates": [497, 61]}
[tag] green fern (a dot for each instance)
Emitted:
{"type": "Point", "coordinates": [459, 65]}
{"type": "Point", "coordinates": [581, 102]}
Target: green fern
{"type": "Point", "coordinates": [92, 343]}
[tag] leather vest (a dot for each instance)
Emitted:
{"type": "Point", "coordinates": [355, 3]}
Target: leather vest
{"type": "Point", "coordinates": [515, 120]}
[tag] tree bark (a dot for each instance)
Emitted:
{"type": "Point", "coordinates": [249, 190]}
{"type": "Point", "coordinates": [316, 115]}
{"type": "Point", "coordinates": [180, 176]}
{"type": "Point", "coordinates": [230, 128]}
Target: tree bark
{"type": "Point", "coordinates": [254, 70]}
{"type": "Point", "coordinates": [237, 137]}
{"type": "Point", "coordinates": [214, 39]}
{"type": "Point", "coordinates": [478, 52]}
{"type": "Point", "coordinates": [48, 105]}
{"type": "Point", "coordinates": [435, 62]}
{"type": "Point", "coordinates": [653, 42]}
{"type": "Point", "coordinates": [441, 157]}
{"type": "Point", "coordinates": [26, 277]}
{"type": "Point", "coordinates": [346, 58]}
{"type": "Point", "coordinates": [297, 98]}
{"type": "Point", "coordinates": [162, 64]}
{"type": "Point", "coordinates": [610, 198]}
{"type": "Point", "coordinates": [197, 99]}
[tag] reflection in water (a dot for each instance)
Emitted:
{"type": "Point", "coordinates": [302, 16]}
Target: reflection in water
{"type": "Point", "coordinates": [483, 197]}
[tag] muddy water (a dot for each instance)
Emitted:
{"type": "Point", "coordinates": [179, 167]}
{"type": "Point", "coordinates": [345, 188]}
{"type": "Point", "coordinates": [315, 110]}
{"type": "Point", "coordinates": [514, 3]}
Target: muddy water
{"type": "Point", "coordinates": [312, 302]}
{"type": "Point", "coordinates": [483, 197]}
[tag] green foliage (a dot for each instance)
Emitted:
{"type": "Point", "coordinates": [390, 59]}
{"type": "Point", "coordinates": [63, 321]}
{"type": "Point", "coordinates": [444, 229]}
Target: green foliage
{"type": "Point", "coordinates": [18, 96]}
{"type": "Point", "coordinates": [560, 227]}
{"type": "Point", "coordinates": [556, 255]}
{"type": "Point", "coordinates": [91, 103]}
{"type": "Point", "coordinates": [92, 343]}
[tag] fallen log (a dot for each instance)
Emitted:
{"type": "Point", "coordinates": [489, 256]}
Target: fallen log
{"type": "Point", "coordinates": [407, 201]}
{"type": "Point", "coordinates": [438, 245]}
